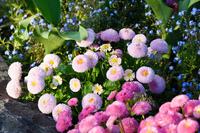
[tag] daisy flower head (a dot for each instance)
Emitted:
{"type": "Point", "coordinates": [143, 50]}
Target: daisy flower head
{"type": "Point", "coordinates": [137, 49]}
{"type": "Point", "coordinates": [53, 59]}
{"type": "Point", "coordinates": [57, 80]}
{"type": "Point", "coordinates": [149, 121]}
{"type": "Point", "coordinates": [126, 34]}
{"type": "Point", "coordinates": [15, 70]}
{"type": "Point", "coordinates": [157, 85]}
{"type": "Point", "coordinates": [47, 67]}
{"type": "Point", "coordinates": [97, 89]}
{"type": "Point", "coordinates": [73, 102]}
{"type": "Point", "coordinates": [113, 129]}
{"type": "Point", "coordinates": [46, 103]}
{"type": "Point", "coordinates": [92, 99]}
{"type": "Point", "coordinates": [142, 89]}
{"type": "Point", "coordinates": [111, 95]}
{"type": "Point", "coordinates": [94, 47]}
{"type": "Point", "coordinates": [141, 108]}
{"type": "Point", "coordinates": [189, 107]}
{"type": "Point", "coordinates": [140, 37]}
{"type": "Point", "coordinates": [106, 47]}
{"type": "Point", "coordinates": [196, 112]}
{"type": "Point", "coordinates": [37, 71]}
{"type": "Point", "coordinates": [13, 88]}
{"type": "Point", "coordinates": [35, 84]}
{"type": "Point", "coordinates": [114, 60]}
{"type": "Point", "coordinates": [115, 73]}
{"type": "Point", "coordinates": [102, 116]}
{"type": "Point", "coordinates": [81, 63]}
{"type": "Point", "coordinates": [59, 108]}
{"type": "Point", "coordinates": [179, 100]}
{"type": "Point", "coordinates": [88, 123]}
{"type": "Point", "coordinates": [130, 125]}
{"type": "Point", "coordinates": [75, 84]}
{"type": "Point", "coordinates": [131, 86]}
{"type": "Point", "coordinates": [101, 55]}
{"type": "Point", "coordinates": [129, 75]}
{"type": "Point", "coordinates": [74, 131]}
{"type": "Point", "coordinates": [188, 125]}
{"type": "Point", "coordinates": [118, 52]}
{"type": "Point", "coordinates": [171, 128]}
{"type": "Point", "coordinates": [159, 45]}
{"type": "Point", "coordinates": [124, 95]}
{"type": "Point", "coordinates": [167, 106]}
{"type": "Point", "coordinates": [150, 129]}
{"type": "Point", "coordinates": [145, 74]}
{"type": "Point", "coordinates": [97, 129]}
{"type": "Point", "coordinates": [110, 35]}
{"type": "Point", "coordinates": [88, 41]}
{"type": "Point", "coordinates": [93, 58]}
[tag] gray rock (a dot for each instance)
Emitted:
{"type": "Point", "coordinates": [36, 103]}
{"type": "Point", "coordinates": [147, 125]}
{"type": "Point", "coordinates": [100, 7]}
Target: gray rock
{"type": "Point", "coordinates": [3, 70]}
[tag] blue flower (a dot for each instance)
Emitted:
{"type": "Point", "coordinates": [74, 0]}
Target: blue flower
{"type": "Point", "coordinates": [184, 84]}
{"type": "Point", "coordinates": [189, 95]}
{"type": "Point", "coordinates": [7, 52]}
{"type": "Point", "coordinates": [137, 25]}
{"type": "Point", "coordinates": [33, 64]}
{"type": "Point", "coordinates": [178, 22]}
{"type": "Point", "coordinates": [21, 56]}
{"type": "Point", "coordinates": [198, 52]}
{"type": "Point", "coordinates": [194, 80]}
{"type": "Point", "coordinates": [14, 52]}
{"type": "Point", "coordinates": [9, 57]}
{"type": "Point", "coordinates": [179, 61]}
{"type": "Point", "coordinates": [173, 89]}
{"type": "Point", "coordinates": [183, 89]}
{"type": "Point", "coordinates": [171, 68]}
{"type": "Point", "coordinates": [110, 2]}
{"type": "Point", "coordinates": [176, 59]}
{"type": "Point", "coordinates": [12, 27]}
{"type": "Point", "coordinates": [172, 16]}
{"type": "Point", "coordinates": [1, 20]}
{"type": "Point", "coordinates": [11, 37]}
{"type": "Point", "coordinates": [151, 32]}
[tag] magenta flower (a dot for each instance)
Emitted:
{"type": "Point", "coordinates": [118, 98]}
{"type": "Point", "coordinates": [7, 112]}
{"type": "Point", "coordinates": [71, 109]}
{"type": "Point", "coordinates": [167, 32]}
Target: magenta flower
{"type": "Point", "coordinates": [101, 55]}
{"type": "Point", "coordinates": [111, 95]}
{"type": "Point", "coordinates": [46, 103]}
{"type": "Point", "coordinates": [64, 121]}
{"type": "Point", "coordinates": [188, 125]}
{"type": "Point", "coordinates": [145, 74]}
{"type": "Point", "coordinates": [115, 73]}
{"type": "Point", "coordinates": [157, 85]}
{"type": "Point", "coordinates": [167, 106]}
{"type": "Point", "coordinates": [102, 116]}
{"type": "Point", "coordinates": [131, 86]}
{"type": "Point", "coordinates": [149, 121]}
{"type": "Point", "coordinates": [113, 129]}
{"type": "Point", "coordinates": [74, 131]}
{"type": "Point", "coordinates": [130, 125]}
{"type": "Point", "coordinates": [13, 88]}
{"type": "Point", "coordinates": [88, 109]}
{"type": "Point", "coordinates": [159, 45]}
{"type": "Point", "coordinates": [137, 49]}
{"type": "Point", "coordinates": [141, 108]}
{"type": "Point", "coordinates": [81, 63]}
{"type": "Point", "coordinates": [73, 102]}
{"type": "Point", "coordinates": [171, 128]}
{"type": "Point", "coordinates": [15, 70]}
{"type": "Point", "coordinates": [189, 107]}
{"type": "Point", "coordinates": [110, 35]}
{"type": "Point", "coordinates": [126, 34]}
{"type": "Point", "coordinates": [124, 95]}
{"type": "Point", "coordinates": [179, 100]}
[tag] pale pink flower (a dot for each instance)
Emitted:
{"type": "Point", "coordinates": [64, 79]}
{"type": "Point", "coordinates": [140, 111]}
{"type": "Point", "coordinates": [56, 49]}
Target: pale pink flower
{"type": "Point", "coordinates": [149, 121]}
{"type": "Point", "coordinates": [46, 103]}
{"type": "Point", "coordinates": [126, 34]}
{"type": "Point", "coordinates": [115, 73]}
{"type": "Point", "coordinates": [97, 129]}
{"type": "Point", "coordinates": [75, 84]}
{"type": "Point", "coordinates": [140, 37]}
{"type": "Point", "coordinates": [145, 74]}
{"type": "Point", "coordinates": [74, 131]}
{"type": "Point", "coordinates": [53, 59]}
{"type": "Point", "coordinates": [118, 52]}
{"type": "Point", "coordinates": [129, 75]}
{"type": "Point", "coordinates": [13, 88]}
{"type": "Point", "coordinates": [137, 49]}
{"type": "Point", "coordinates": [47, 67]}
{"type": "Point", "coordinates": [37, 71]}
{"type": "Point", "coordinates": [114, 60]}
{"type": "Point", "coordinates": [110, 35]}
{"type": "Point", "coordinates": [159, 45]}
{"type": "Point", "coordinates": [196, 112]}
{"type": "Point", "coordinates": [88, 41]}
{"type": "Point", "coordinates": [81, 63]}
{"type": "Point", "coordinates": [179, 100]}
{"type": "Point", "coordinates": [157, 85]}
{"type": "Point", "coordinates": [167, 106]}
{"type": "Point", "coordinates": [35, 84]}
{"type": "Point", "coordinates": [15, 70]}
{"type": "Point", "coordinates": [170, 128]}
{"type": "Point", "coordinates": [188, 125]}
{"type": "Point", "coordinates": [93, 58]}
{"type": "Point", "coordinates": [189, 107]}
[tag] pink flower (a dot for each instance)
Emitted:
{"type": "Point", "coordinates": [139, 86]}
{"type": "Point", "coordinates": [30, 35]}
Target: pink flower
{"type": "Point", "coordinates": [139, 37]}
{"type": "Point", "coordinates": [47, 67]}
{"type": "Point", "coordinates": [88, 123]}
{"type": "Point", "coordinates": [75, 84]}
{"type": "Point", "coordinates": [13, 88]}
{"type": "Point", "coordinates": [141, 108]}
{"type": "Point", "coordinates": [64, 121]}
{"type": "Point", "coordinates": [124, 95]}
{"type": "Point", "coordinates": [15, 70]}
{"type": "Point", "coordinates": [81, 63]}
{"type": "Point", "coordinates": [126, 34]}
{"type": "Point", "coordinates": [111, 95]}
{"type": "Point", "coordinates": [137, 49]}
{"type": "Point", "coordinates": [179, 100]}
{"type": "Point", "coordinates": [110, 35]}
{"type": "Point", "coordinates": [118, 52]}
{"type": "Point", "coordinates": [167, 106]}
{"type": "Point", "coordinates": [35, 84]}
{"type": "Point", "coordinates": [142, 89]}
{"type": "Point", "coordinates": [189, 107]}
{"type": "Point", "coordinates": [130, 125]}
{"type": "Point", "coordinates": [114, 60]}
{"type": "Point", "coordinates": [46, 103]}
{"type": "Point", "coordinates": [73, 102]}
{"type": "Point", "coordinates": [88, 41]}
{"type": "Point", "coordinates": [171, 128]}
{"type": "Point", "coordinates": [97, 129]}
{"type": "Point", "coordinates": [145, 74]}
{"type": "Point", "coordinates": [93, 58]}
{"type": "Point", "coordinates": [94, 47]}
{"type": "Point", "coordinates": [188, 125]}
{"type": "Point", "coordinates": [113, 129]}
{"type": "Point", "coordinates": [37, 71]}
{"type": "Point", "coordinates": [149, 121]}
{"type": "Point", "coordinates": [196, 112]}
{"type": "Point", "coordinates": [74, 131]}
{"type": "Point", "coordinates": [101, 55]}
{"type": "Point", "coordinates": [92, 99]}
{"type": "Point", "coordinates": [88, 109]}
{"type": "Point", "coordinates": [115, 73]}
{"type": "Point", "coordinates": [150, 129]}
{"type": "Point", "coordinates": [82, 115]}
{"type": "Point", "coordinates": [58, 109]}
{"type": "Point", "coordinates": [53, 59]}
{"type": "Point", "coordinates": [131, 86]}
{"type": "Point", "coordinates": [159, 45]}
{"type": "Point", "coordinates": [157, 85]}
{"type": "Point", "coordinates": [102, 116]}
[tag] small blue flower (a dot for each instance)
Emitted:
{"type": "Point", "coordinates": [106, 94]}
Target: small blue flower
{"type": "Point", "coordinates": [14, 52]}
{"type": "Point", "coordinates": [171, 68]}
{"type": "Point", "coordinates": [176, 59]}
{"type": "Point", "coordinates": [1, 20]}
{"type": "Point", "coordinates": [198, 52]}
{"type": "Point", "coordinates": [7, 52]}
{"type": "Point", "coordinates": [11, 37]}
{"type": "Point", "coordinates": [189, 95]}
{"type": "Point", "coordinates": [151, 32]}
{"type": "Point", "coordinates": [184, 84]}
{"type": "Point", "coordinates": [110, 2]}
{"type": "Point", "coordinates": [178, 22]}
{"type": "Point", "coordinates": [12, 27]}
{"type": "Point", "coordinates": [137, 25]}
{"type": "Point", "coordinates": [21, 56]}
{"type": "Point", "coordinates": [9, 57]}
{"type": "Point", "coordinates": [172, 16]}
{"type": "Point", "coordinates": [173, 89]}
{"type": "Point", "coordinates": [183, 89]}
{"type": "Point", "coordinates": [33, 64]}
{"type": "Point", "coordinates": [194, 80]}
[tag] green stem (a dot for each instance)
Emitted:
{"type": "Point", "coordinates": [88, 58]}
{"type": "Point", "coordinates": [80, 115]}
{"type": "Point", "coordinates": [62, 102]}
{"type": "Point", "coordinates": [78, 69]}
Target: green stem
{"type": "Point", "coordinates": [122, 125]}
{"type": "Point", "coordinates": [183, 112]}
{"type": "Point", "coordinates": [76, 109]}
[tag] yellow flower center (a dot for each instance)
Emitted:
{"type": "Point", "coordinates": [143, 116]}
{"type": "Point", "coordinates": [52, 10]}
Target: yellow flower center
{"type": "Point", "coordinates": [46, 69]}
{"type": "Point", "coordinates": [114, 71]}
{"type": "Point", "coordinates": [106, 46]}
{"type": "Point", "coordinates": [147, 124]}
{"type": "Point", "coordinates": [129, 75]}
{"type": "Point", "coordinates": [75, 84]}
{"type": "Point", "coordinates": [44, 102]}
{"type": "Point", "coordinates": [114, 60]}
{"type": "Point", "coordinates": [59, 111]}
{"type": "Point", "coordinates": [80, 61]}
{"type": "Point", "coordinates": [91, 100]}
{"type": "Point", "coordinates": [144, 73]}
{"type": "Point", "coordinates": [198, 111]}
{"type": "Point", "coordinates": [139, 39]}
{"type": "Point", "coordinates": [57, 79]}
{"type": "Point", "coordinates": [149, 131]}
{"type": "Point", "coordinates": [51, 62]}
{"type": "Point", "coordinates": [97, 89]}
{"type": "Point", "coordinates": [187, 125]}
{"type": "Point", "coordinates": [33, 83]}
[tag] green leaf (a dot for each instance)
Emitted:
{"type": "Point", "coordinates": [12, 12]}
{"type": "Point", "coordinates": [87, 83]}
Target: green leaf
{"type": "Point", "coordinates": [26, 22]}
{"type": "Point", "coordinates": [110, 84]}
{"type": "Point", "coordinates": [31, 6]}
{"type": "Point", "coordinates": [50, 10]}
{"type": "Point", "coordinates": [87, 87]}
{"type": "Point", "coordinates": [65, 69]}
{"type": "Point", "coordinates": [161, 10]}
